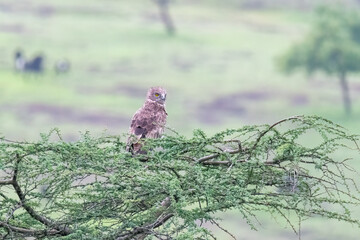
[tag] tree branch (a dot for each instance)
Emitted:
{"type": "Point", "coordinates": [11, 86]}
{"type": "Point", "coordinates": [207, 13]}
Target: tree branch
{"type": "Point", "coordinates": [29, 232]}
{"type": "Point", "coordinates": [47, 222]}
{"type": "Point", "coordinates": [267, 130]}
{"type": "Point", "coordinates": [145, 229]}
{"type": "Point", "coordinates": [6, 182]}
{"type": "Point", "coordinates": [212, 156]}
{"type": "Point", "coordinates": [223, 229]}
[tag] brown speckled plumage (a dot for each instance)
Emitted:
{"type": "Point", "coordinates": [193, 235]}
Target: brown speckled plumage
{"type": "Point", "coordinates": [149, 121]}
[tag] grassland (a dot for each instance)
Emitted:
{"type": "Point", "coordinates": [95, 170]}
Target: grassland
{"type": "Point", "coordinates": [219, 69]}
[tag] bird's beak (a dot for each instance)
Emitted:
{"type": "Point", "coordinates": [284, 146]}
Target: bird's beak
{"type": "Point", "coordinates": [163, 97]}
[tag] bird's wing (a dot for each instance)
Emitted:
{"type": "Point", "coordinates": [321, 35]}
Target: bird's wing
{"type": "Point", "coordinates": [141, 125]}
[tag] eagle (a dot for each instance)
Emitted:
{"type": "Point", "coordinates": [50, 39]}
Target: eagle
{"type": "Point", "coordinates": [149, 121]}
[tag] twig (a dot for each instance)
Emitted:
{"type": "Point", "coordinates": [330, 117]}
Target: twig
{"type": "Point", "coordinates": [209, 157]}
{"type": "Point", "coordinates": [223, 229]}
{"type": "Point", "coordinates": [267, 130]}
{"type": "Point", "coordinates": [12, 211]}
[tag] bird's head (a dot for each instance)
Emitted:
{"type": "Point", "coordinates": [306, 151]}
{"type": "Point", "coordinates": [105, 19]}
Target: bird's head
{"type": "Point", "coordinates": [157, 94]}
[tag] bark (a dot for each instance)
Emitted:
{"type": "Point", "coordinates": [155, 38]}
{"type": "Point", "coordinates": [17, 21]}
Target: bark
{"type": "Point", "coordinates": [165, 16]}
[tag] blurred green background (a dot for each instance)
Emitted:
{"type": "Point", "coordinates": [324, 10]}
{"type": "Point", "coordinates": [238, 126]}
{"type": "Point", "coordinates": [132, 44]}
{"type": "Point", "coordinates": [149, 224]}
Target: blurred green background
{"type": "Point", "coordinates": [219, 68]}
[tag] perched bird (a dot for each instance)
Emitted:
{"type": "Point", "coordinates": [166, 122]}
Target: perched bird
{"type": "Point", "coordinates": [33, 65]}
{"type": "Point", "coordinates": [149, 121]}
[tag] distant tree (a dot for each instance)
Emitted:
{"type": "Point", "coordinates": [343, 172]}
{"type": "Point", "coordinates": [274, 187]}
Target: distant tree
{"type": "Point", "coordinates": [332, 47]}
{"type": "Point", "coordinates": [165, 15]}
{"type": "Point", "coordinates": [94, 189]}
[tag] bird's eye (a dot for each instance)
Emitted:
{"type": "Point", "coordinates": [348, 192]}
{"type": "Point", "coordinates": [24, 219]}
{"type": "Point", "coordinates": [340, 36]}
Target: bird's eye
{"type": "Point", "coordinates": [156, 94]}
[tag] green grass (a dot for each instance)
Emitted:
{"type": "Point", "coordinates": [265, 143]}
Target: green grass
{"type": "Point", "coordinates": [117, 50]}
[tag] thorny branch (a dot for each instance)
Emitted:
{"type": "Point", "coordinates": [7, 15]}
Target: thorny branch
{"type": "Point", "coordinates": [62, 230]}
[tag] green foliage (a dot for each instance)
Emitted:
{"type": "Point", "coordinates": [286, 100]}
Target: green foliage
{"type": "Point", "coordinates": [94, 189]}
{"type": "Point", "coordinates": [333, 45]}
